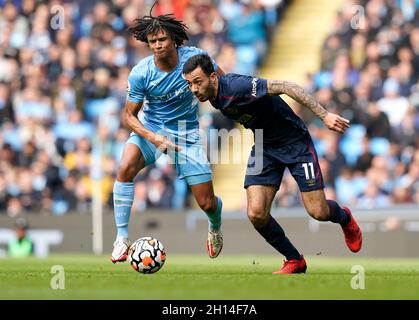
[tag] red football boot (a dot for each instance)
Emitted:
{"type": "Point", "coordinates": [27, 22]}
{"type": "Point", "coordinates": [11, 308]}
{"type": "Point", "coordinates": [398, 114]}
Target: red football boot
{"type": "Point", "coordinates": [293, 266]}
{"type": "Point", "coordinates": [353, 234]}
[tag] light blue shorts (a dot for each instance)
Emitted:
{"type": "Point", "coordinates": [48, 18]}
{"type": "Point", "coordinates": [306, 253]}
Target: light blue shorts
{"type": "Point", "coordinates": [191, 162]}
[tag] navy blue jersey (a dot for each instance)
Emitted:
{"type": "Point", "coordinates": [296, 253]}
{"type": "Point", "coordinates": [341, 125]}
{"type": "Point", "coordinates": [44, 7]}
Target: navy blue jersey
{"type": "Point", "coordinates": [246, 100]}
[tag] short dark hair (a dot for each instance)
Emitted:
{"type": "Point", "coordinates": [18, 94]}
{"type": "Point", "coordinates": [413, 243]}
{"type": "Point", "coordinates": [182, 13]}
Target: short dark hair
{"type": "Point", "coordinates": [200, 60]}
{"type": "Point", "coordinates": [147, 25]}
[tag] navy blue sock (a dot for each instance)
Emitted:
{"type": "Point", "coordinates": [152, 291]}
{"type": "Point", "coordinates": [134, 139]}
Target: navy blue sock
{"type": "Point", "coordinates": [275, 236]}
{"type": "Point", "coordinates": [337, 214]}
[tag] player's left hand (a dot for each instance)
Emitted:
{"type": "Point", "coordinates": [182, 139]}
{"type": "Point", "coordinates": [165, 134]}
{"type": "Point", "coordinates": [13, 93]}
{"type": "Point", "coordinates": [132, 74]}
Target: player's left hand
{"type": "Point", "coordinates": [336, 123]}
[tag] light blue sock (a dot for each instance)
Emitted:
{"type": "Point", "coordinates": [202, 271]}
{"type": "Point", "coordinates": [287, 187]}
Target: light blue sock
{"type": "Point", "coordinates": [214, 218]}
{"type": "Point", "coordinates": [123, 197]}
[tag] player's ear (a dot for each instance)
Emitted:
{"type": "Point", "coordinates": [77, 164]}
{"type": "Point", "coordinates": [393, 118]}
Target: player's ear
{"type": "Point", "coordinates": [213, 77]}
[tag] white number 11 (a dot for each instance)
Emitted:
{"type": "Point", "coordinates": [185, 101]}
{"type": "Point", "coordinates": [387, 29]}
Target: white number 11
{"type": "Point", "coordinates": [305, 166]}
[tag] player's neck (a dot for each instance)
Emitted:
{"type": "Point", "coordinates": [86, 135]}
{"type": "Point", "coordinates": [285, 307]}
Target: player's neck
{"type": "Point", "coordinates": [167, 63]}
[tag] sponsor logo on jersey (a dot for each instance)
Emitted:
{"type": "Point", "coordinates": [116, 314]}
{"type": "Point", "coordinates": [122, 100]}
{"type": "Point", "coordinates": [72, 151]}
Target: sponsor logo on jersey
{"type": "Point", "coordinates": [176, 94]}
{"type": "Point", "coordinates": [254, 86]}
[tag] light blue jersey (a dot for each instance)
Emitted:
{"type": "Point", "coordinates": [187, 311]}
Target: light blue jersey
{"type": "Point", "coordinates": [170, 109]}
{"type": "Point", "coordinates": [166, 96]}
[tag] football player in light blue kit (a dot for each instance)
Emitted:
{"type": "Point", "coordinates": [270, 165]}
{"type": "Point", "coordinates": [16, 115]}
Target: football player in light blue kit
{"type": "Point", "coordinates": [168, 124]}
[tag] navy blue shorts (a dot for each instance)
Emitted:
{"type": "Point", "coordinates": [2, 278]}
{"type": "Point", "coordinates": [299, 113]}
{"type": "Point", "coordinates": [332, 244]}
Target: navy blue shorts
{"type": "Point", "coordinates": [300, 157]}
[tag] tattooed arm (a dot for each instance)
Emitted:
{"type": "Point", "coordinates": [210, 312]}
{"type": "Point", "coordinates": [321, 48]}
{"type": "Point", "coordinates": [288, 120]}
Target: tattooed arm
{"type": "Point", "coordinates": [294, 91]}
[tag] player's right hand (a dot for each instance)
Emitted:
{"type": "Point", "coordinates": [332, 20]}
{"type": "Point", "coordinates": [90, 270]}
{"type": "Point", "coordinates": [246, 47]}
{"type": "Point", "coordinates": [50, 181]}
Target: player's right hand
{"type": "Point", "coordinates": [164, 144]}
{"type": "Point", "coordinates": [336, 123]}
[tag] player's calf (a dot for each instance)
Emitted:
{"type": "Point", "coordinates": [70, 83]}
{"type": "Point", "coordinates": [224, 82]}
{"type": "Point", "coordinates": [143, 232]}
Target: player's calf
{"type": "Point", "coordinates": [318, 212]}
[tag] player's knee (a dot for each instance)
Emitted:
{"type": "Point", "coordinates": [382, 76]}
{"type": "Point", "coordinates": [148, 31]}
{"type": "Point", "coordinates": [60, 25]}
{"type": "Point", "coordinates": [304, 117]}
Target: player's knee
{"type": "Point", "coordinates": [126, 172]}
{"type": "Point", "coordinates": [207, 204]}
{"type": "Point", "coordinates": [318, 212]}
{"type": "Point", "coordinates": [257, 217]}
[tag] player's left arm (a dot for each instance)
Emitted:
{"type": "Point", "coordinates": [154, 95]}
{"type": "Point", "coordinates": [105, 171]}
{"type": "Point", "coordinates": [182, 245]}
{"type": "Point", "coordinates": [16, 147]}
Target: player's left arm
{"type": "Point", "coordinates": [332, 121]}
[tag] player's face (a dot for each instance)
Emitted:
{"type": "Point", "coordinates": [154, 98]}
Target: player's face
{"type": "Point", "coordinates": [161, 44]}
{"type": "Point", "coordinates": [202, 86]}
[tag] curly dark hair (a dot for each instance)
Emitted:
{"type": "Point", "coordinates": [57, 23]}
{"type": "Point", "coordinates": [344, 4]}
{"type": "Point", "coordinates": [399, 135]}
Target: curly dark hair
{"type": "Point", "coordinates": [150, 24]}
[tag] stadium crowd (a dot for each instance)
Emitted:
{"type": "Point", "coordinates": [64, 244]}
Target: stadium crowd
{"type": "Point", "coordinates": [63, 73]}
{"type": "Point", "coordinates": [369, 74]}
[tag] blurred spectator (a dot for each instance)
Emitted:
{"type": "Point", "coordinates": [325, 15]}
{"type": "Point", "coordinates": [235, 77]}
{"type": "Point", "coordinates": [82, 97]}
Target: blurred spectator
{"type": "Point", "coordinates": [287, 195]}
{"type": "Point", "coordinates": [248, 33]}
{"type": "Point", "coordinates": [6, 110]}
{"type": "Point", "coordinates": [373, 198]}
{"type": "Point", "coordinates": [64, 199]}
{"type": "Point", "coordinates": [176, 7]}
{"type": "Point", "coordinates": [334, 158]}
{"type": "Point", "coordinates": [27, 155]}
{"type": "Point", "coordinates": [15, 27]}
{"type": "Point", "coordinates": [376, 122]}
{"type": "Point", "coordinates": [3, 194]}
{"type": "Point", "coordinates": [393, 104]}
{"type": "Point", "coordinates": [22, 246]}
{"type": "Point", "coordinates": [365, 159]}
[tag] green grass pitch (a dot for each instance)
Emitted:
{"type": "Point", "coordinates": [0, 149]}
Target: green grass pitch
{"type": "Point", "coordinates": [198, 277]}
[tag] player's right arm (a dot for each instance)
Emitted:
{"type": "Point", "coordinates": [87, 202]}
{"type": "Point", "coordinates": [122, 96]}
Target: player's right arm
{"type": "Point", "coordinates": [130, 120]}
{"type": "Point", "coordinates": [133, 104]}
{"type": "Point", "coordinates": [332, 121]}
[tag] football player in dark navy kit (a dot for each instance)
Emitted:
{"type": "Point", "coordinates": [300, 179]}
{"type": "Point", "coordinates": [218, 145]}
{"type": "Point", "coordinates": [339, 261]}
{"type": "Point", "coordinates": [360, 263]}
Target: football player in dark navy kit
{"type": "Point", "coordinates": [255, 103]}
